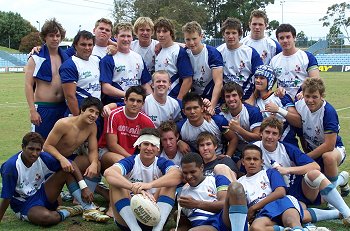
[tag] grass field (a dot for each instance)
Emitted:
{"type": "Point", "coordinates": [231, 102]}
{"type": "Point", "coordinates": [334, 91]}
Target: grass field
{"type": "Point", "coordinates": [14, 123]}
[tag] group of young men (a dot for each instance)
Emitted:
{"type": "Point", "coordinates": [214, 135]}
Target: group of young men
{"type": "Point", "coordinates": [178, 113]}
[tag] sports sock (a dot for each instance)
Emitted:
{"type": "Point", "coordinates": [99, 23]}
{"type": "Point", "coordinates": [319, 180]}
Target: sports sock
{"type": "Point", "coordinates": [64, 213]}
{"type": "Point", "coordinates": [76, 193]}
{"type": "Point", "coordinates": [332, 196]}
{"type": "Point", "coordinates": [123, 208]}
{"type": "Point", "coordinates": [298, 228]}
{"type": "Point", "coordinates": [92, 182]}
{"type": "Point", "coordinates": [165, 205]}
{"type": "Point", "coordinates": [238, 217]}
{"type": "Point", "coordinates": [278, 228]}
{"type": "Point", "coordinates": [321, 214]}
{"type": "Point", "coordinates": [333, 180]}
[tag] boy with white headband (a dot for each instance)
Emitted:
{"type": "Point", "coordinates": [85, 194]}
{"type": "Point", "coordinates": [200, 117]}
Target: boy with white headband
{"type": "Point", "coordinates": [143, 173]}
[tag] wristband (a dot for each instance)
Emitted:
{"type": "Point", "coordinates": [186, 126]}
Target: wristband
{"type": "Point", "coordinates": [282, 112]}
{"type": "Point", "coordinates": [82, 184]}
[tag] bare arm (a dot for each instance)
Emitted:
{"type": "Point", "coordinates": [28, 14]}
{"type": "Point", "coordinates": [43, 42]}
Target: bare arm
{"type": "Point", "coordinates": [210, 206]}
{"type": "Point", "coordinates": [29, 92]}
{"type": "Point", "coordinates": [292, 116]}
{"type": "Point", "coordinates": [233, 141]}
{"type": "Point", "coordinates": [298, 170]}
{"type": "Point", "coordinates": [115, 178]}
{"type": "Point", "coordinates": [185, 87]}
{"type": "Point", "coordinates": [52, 140]}
{"type": "Point", "coordinates": [147, 88]}
{"type": "Point", "coordinates": [4, 204]}
{"type": "Point", "coordinates": [327, 146]}
{"type": "Point", "coordinates": [314, 73]}
{"type": "Point", "coordinates": [114, 146]}
{"type": "Point", "coordinates": [92, 170]}
{"type": "Point", "coordinates": [108, 89]}
{"type": "Point", "coordinates": [247, 135]}
{"type": "Point", "coordinates": [276, 194]}
{"type": "Point", "coordinates": [218, 79]}
{"type": "Point", "coordinates": [69, 91]}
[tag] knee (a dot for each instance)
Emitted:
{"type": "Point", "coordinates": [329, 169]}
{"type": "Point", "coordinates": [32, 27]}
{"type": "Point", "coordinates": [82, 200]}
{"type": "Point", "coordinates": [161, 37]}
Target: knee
{"type": "Point", "coordinates": [221, 169]}
{"type": "Point", "coordinates": [255, 227]}
{"type": "Point", "coordinates": [236, 190]}
{"type": "Point", "coordinates": [314, 178]}
{"type": "Point", "coordinates": [45, 218]}
{"type": "Point", "coordinates": [329, 158]}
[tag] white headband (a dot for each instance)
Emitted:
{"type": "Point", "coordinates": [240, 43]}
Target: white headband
{"type": "Point", "coordinates": [149, 138]}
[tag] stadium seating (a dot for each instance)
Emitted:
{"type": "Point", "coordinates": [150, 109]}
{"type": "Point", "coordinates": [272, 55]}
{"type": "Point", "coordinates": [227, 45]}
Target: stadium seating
{"type": "Point", "coordinates": [12, 60]}
{"type": "Point", "coordinates": [319, 47]}
{"type": "Point", "coordinates": [333, 59]}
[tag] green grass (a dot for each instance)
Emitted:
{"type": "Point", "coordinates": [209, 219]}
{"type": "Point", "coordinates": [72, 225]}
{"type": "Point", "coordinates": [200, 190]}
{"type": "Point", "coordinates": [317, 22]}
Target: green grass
{"type": "Point", "coordinates": [14, 123]}
{"type": "Point", "coordinates": [10, 50]}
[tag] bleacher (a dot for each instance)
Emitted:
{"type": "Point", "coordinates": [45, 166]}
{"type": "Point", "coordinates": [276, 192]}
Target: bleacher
{"type": "Point", "coordinates": [12, 60]}
{"type": "Point", "coordinates": [333, 59]}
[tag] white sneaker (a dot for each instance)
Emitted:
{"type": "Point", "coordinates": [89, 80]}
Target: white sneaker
{"type": "Point", "coordinates": [344, 189]}
{"type": "Point", "coordinates": [315, 228]}
{"type": "Point", "coordinates": [346, 221]}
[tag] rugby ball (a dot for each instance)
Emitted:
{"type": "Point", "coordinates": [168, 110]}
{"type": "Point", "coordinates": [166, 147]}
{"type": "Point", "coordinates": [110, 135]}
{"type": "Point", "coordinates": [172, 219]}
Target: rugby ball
{"type": "Point", "coordinates": [145, 210]}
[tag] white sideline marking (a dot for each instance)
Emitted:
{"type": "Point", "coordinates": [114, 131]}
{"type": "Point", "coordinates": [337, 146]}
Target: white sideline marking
{"type": "Point", "coordinates": [342, 109]}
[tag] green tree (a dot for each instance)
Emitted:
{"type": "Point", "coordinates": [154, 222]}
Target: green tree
{"type": "Point", "coordinates": [13, 27]}
{"type": "Point", "coordinates": [123, 11]}
{"type": "Point", "coordinates": [336, 18]}
{"type": "Point", "coordinates": [272, 26]}
{"type": "Point", "coordinates": [301, 39]}
{"type": "Point", "coordinates": [29, 41]}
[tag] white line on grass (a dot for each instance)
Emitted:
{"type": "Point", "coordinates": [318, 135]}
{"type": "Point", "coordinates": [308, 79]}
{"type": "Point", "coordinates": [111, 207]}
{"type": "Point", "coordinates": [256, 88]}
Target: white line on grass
{"type": "Point", "coordinates": [342, 109]}
{"type": "Point", "coordinates": [11, 104]}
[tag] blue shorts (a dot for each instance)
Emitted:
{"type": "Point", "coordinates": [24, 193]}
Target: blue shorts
{"type": "Point", "coordinates": [275, 209]}
{"type": "Point", "coordinates": [296, 191]}
{"type": "Point", "coordinates": [38, 199]}
{"type": "Point", "coordinates": [217, 222]}
{"type": "Point", "coordinates": [49, 113]}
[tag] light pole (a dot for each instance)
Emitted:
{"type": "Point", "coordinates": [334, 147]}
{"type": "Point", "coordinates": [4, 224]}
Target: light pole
{"type": "Point", "coordinates": [39, 25]}
{"type": "Point", "coordinates": [79, 28]}
{"type": "Point", "coordinates": [281, 2]}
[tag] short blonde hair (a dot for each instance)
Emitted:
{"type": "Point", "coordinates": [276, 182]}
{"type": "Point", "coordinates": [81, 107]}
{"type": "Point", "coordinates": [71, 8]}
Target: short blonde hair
{"type": "Point", "coordinates": [160, 72]}
{"type": "Point", "coordinates": [122, 26]}
{"type": "Point", "coordinates": [192, 27]}
{"type": "Point", "coordinates": [313, 85]}
{"type": "Point", "coordinates": [142, 22]}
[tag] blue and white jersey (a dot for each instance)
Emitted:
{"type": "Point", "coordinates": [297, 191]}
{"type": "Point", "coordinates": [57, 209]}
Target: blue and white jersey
{"type": "Point", "coordinates": [260, 185]}
{"type": "Point", "coordinates": [124, 70]}
{"type": "Point", "coordinates": [266, 47]}
{"type": "Point", "coordinates": [189, 133]}
{"type": "Point", "coordinates": [175, 61]}
{"type": "Point", "coordinates": [292, 70]}
{"type": "Point", "coordinates": [249, 118]}
{"type": "Point", "coordinates": [286, 155]}
{"type": "Point", "coordinates": [85, 74]}
{"type": "Point", "coordinates": [148, 54]}
{"type": "Point", "coordinates": [171, 110]}
{"type": "Point", "coordinates": [317, 124]}
{"type": "Point", "coordinates": [240, 65]}
{"type": "Point", "coordinates": [206, 191]}
{"type": "Point", "coordinates": [20, 182]}
{"type": "Point", "coordinates": [203, 63]}
{"type": "Point", "coordinates": [285, 102]}
{"type": "Point", "coordinates": [134, 170]}
{"type": "Point", "coordinates": [99, 51]}
{"type": "Point", "coordinates": [176, 159]}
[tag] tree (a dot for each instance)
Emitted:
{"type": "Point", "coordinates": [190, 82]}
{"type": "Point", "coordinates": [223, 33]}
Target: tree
{"type": "Point", "coordinates": [29, 41]}
{"type": "Point", "coordinates": [336, 17]}
{"type": "Point", "coordinates": [272, 26]}
{"type": "Point", "coordinates": [13, 27]}
{"type": "Point", "coordinates": [123, 11]}
{"type": "Point", "coordinates": [301, 39]}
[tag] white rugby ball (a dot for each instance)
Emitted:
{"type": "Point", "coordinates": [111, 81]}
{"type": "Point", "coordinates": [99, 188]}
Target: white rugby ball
{"type": "Point", "coordinates": [145, 210]}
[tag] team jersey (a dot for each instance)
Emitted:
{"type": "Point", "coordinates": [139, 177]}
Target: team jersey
{"type": "Point", "coordinates": [240, 65]}
{"type": "Point", "coordinates": [175, 61]}
{"type": "Point", "coordinates": [99, 51]}
{"type": "Point", "coordinates": [122, 71]}
{"type": "Point", "coordinates": [85, 74]}
{"type": "Point", "coordinates": [260, 185]}
{"type": "Point", "coordinates": [189, 133]}
{"type": "Point", "coordinates": [20, 182]}
{"type": "Point", "coordinates": [266, 47]}
{"type": "Point", "coordinates": [176, 160]}
{"type": "Point", "coordinates": [317, 124]}
{"type": "Point", "coordinates": [171, 110]}
{"type": "Point", "coordinates": [206, 191]}
{"type": "Point", "coordinates": [286, 155]}
{"type": "Point", "coordinates": [135, 171]}
{"type": "Point", "coordinates": [285, 102]}
{"type": "Point", "coordinates": [127, 129]}
{"type": "Point", "coordinates": [148, 54]}
{"type": "Point", "coordinates": [249, 118]}
{"type": "Point", "coordinates": [292, 70]}
{"type": "Point", "coordinates": [203, 64]}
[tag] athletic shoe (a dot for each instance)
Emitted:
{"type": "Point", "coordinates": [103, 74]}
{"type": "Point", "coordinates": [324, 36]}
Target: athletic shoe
{"type": "Point", "coordinates": [95, 215]}
{"type": "Point", "coordinates": [73, 210]}
{"type": "Point", "coordinates": [66, 196]}
{"type": "Point", "coordinates": [312, 227]}
{"type": "Point", "coordinates": [346, 221]}
{"type": "Point", "coordinates": [344, 189]}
